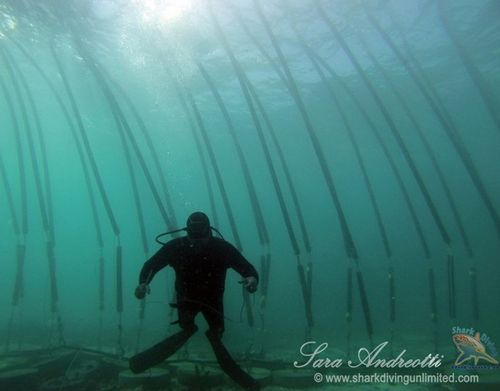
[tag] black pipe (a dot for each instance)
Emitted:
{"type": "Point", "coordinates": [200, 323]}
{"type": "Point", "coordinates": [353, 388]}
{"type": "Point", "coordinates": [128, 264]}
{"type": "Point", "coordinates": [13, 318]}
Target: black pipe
{"type": "Point", "coordinates": [262, 290]}
{"type": "Point", "coordinates": [80, 151]}
{"type": "Point", "coordinates": [120, 124]}
{"type": "Point", "coordinates": [270, 128]}
{"type": "Point", "coordinates": [248, 307]}
{"type": "Point", "coordinates": [422, 15]}
{"type": "Point", "coordinates": [45, 203]}
{"type": "Point", "coordinates": [475, 295]}
{"type": "Point", "coordinates": [451, 287]}
{"type": "Point", "coordinates": [293, 193]}
{"type": "Point", "coordinates": [265, 262]}
{"type": "Point", "coordinates": [11, 69]}
{"type": "Point", "coordinates": [257, 210]}
{"type": "Point", "coordinates": [119, 279]}
{"type": "Point", "coordinates": [90, 157]}
{"type": "Point", "coordinates": [48, 204]}
{"type": "Point", "coordinates": [393, 165]}
{"type": "Point", "coordinates": [192, 127]}
{"type": "Point", "coordinates": [349, 245]}
{"type": "Point", "coordinates": [427, 146]}
{"type": "Point", "coordinates": [119, 296]}
{"type": "Point", "coordinates": [18, 292]}
{"type": "Point", "coordinates": [124, 131]}
{"type": "Point", "coordinates": [392, 126]}
{"type": "Point", "coordinates": [259, 46]}
{"type": "Point", "coordinates": [348, 241]}
{"type": "Point", "coordinates": [354, 143]}
{"type": "Point", "coordinates": [385, 150]}
{"type": "Point", "coordinates": [265, 266]}
{"type": "Point", "coordinates": [215, 166]}
{"type": "Point", "coordinates": [373, 200]}
{"type": "Point", "coordinates": [170, 219]}
{"type": "Point", "coordinates": [133, 180]}
{"type": "Point", "coordinates": [480, 83]}
{"type": "Point", "coordinates": [364, 303]}
{"type": "Point", "coordinates": [458, 220]}
{"type": "Point", "coordinates": [222, 189]}
{"type": "Point", "coordinates": [20, 157]}
{"type": "Point", "coordinates": [29, 136]}
{"type": "Point", "coordinates": [54, 293]}
{"type": "Point", "coordinates": [90, 191]}
{"type": "Point", "coordinates": [258, 127]}
{"type": "Point", "coordinates": [309, 283]}
{"type": "Point", "coordinates": [10, 199]}
{"type": "Point", "coordinates": [392, 294]}
{"type": "Point", "coordinates": [243, 81]}
{"type": "Point", "coordinates": [348, 313]}
{"type": "Point", "coordinates": [254, 201]}
{"type": "Point", "coordinates": [305, 295]}
{"type": "Point", "coordinates": [284, 165]}
{"type": "Point", "coordinates": [86, 143]}
{"type": "Point", "coordinates": [446, 123]}
{"type": "Point", "coordinates": [101, 283]}
{"type": "Point", "coordinates": [295, 198]}
{"type": "Point", "coordinates": [149, 142]}
{"type": "Point", "coordinates": [264, 284]}
{"type": "Point", "coordinates": [433, 302]}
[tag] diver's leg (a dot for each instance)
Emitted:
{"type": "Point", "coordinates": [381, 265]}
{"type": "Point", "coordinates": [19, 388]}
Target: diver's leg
{"type": "Point", "coordinates": [214, 315]}
{"type": "Point", "coordinates": [215, 320]}
{"type": "Point", "coordinates": [161, 351]}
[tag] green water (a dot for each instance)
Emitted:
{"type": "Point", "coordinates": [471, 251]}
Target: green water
{"type": "Point", "coordinates": [150, 47]}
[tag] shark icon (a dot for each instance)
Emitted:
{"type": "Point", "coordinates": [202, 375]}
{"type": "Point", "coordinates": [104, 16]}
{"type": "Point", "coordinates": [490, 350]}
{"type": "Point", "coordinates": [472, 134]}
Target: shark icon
{"type": "Point", "coordinates": [471, 348]}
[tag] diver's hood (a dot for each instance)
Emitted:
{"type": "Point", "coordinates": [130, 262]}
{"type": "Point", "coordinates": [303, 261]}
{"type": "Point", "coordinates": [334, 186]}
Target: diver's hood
{"type": "Point", "coordinates": [198, 226]}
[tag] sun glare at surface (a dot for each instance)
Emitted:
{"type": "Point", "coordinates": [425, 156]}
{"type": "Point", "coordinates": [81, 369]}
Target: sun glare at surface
{"type": "Point", "coordinates": [162, 11]}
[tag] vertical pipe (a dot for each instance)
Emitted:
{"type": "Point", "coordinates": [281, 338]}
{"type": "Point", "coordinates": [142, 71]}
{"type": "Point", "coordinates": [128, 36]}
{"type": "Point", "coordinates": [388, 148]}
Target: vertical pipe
{"type": "Point", "coordinates": [119, 297]}
{"type": "Point", "coordinates": [86, 144]}
{"type": "Point", "coordinates": [433, 304]}
{"type": "Point", "coordinates": [480, 83]}
{"type": "Point", "coordinates": [192, 127]}
{"type": "Point", "coordinates": [20, 157]}
{"type": "Point", "coordinates": [445, 121]}
{"type": "Point", "coordinates": [215, 166]}
{"type": "Point", "coordinates": [451, 286]}
{"type": "Point", "coordinates": [348, 314]}
{"type": "Point", "coordinates": [244, 84]}
{"type": "Point", "coordinates": [427, 146]}
{"type": "Point", "coordinates": [475, 295]}
{"type": "Point", "coordinates": [169, 217]}
{"type": "Point", "coordinates": [392, 126]}
{"type": "Point", "coordinates": [254, 201]}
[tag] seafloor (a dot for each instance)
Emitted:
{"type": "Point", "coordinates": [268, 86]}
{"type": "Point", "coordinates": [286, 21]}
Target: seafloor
{"type": "Point", "coordinates": [82, 369]}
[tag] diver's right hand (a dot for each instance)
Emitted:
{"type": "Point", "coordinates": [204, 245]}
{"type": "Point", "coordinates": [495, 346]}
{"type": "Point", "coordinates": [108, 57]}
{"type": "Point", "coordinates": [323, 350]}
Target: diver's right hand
{"type": "Point", "coordinates": [141, 290]}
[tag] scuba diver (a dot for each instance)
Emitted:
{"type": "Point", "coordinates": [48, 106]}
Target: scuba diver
{"type": "Point", "coordinates": [200, 262]}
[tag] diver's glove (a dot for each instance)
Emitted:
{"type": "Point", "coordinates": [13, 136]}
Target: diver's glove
{"type": "Point", "coordinates": [142, 290]}
{"type": "Point", "coordinates": [250, 284]}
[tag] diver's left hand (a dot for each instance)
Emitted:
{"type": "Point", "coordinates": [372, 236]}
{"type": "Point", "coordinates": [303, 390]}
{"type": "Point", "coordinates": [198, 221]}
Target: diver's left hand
{"type": "Point", "coordinates": [142, 290]}
{"type": "Point", "coordinates": [250, 284]}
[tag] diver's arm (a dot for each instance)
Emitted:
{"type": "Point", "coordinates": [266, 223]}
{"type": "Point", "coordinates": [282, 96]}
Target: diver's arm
{"type": "Point", "coordinates": [154, 264]}
{"type": "Point", "coordinates": [241, 265]}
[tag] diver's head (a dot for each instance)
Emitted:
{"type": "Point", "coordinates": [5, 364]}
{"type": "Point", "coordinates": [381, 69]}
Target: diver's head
{"type": "Point", "coordinates": [198, 226]}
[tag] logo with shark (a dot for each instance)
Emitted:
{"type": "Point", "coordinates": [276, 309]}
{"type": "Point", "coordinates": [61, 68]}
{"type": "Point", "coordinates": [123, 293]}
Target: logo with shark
{"type": "Point", "coordinates": [471, 348]}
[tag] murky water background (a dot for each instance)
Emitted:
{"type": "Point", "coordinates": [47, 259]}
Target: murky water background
{"type": "Point", "coordinates": [118, 91]}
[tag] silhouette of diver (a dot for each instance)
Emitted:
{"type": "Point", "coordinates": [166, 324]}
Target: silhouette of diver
{"type": "Point", "coordinates": [200, 261]}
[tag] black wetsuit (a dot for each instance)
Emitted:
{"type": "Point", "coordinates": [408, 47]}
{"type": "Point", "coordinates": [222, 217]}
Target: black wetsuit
{"type": "Point", "coordinates": [200, 269]}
